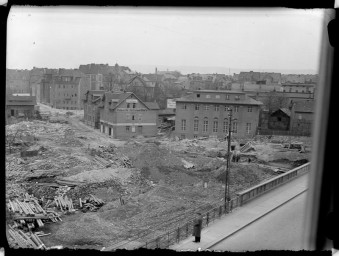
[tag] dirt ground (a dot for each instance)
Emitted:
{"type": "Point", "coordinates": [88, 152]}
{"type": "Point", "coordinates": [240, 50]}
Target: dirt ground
{"type": "Point", "coordinates": [159, 192]}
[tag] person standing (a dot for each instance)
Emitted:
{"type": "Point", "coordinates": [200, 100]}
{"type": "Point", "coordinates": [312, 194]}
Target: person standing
{"type": "Point", "coordinates": [197, 228]}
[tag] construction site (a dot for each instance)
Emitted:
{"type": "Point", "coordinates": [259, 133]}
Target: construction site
{"type": "Point", "coordinates": [70, 186]}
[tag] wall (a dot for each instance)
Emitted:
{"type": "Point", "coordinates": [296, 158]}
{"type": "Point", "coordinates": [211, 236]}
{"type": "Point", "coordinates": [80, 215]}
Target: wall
{"type": "Point", "coordinates": [189, 114]}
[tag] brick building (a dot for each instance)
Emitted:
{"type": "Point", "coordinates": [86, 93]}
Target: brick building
{"type": "Point", "coordinates": [20, 106]}
{"type": "Point", "coordinates": [204, 113]}
{"type": "Point", "coordinates": [124, 115]}
{"type": "Point", "coordinates": [91, 108]}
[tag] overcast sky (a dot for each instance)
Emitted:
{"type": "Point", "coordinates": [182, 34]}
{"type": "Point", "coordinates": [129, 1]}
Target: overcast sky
{"type": "Point", "coordinates": [57, 37]}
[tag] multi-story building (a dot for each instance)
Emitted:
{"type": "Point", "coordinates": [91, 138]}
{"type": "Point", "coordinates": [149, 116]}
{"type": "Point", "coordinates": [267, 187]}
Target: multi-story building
{"type": "Point", "coordinates": [17, 81]}
{"type": "Point", "coordinates": [64, 90]}
{"type": "Point", "coordinates": [205, 113]}
{"type": "Point", "coordinates": [292, 87]}
{"type": "Point", "coordinates": [91, 108]}
{"type": "Point", "coordinates": [124, 115]}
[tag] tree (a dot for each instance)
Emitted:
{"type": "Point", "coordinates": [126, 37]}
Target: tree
{"type": "Point", "coordinates": [275, 100]}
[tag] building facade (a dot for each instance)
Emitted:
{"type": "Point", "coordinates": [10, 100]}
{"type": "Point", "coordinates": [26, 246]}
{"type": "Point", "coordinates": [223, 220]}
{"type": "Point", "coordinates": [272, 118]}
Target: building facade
{"type": "Point", "coordinates": [91, 108]}
{"type": "Point", "coordinates": [205, 113]}
{"type": "Point", "coordinates": [123, 115]}
{"type": "Point", "coordinates": [64, 89]}
{"type": "Point", "coordinates": [302, 116]}
{"type": "Point", "coordinates": [298, 88]}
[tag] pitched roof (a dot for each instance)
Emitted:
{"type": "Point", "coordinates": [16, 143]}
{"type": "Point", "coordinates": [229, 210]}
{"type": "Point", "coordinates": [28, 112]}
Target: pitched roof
{"type": "Point", "coordinates": [286, 111]}
{"type": "Point", "coordinates": [20, 100]}
{"type": "Point", "coordinates": [120, 97]}
{"type": "Point", "coordinates": [152, 105]}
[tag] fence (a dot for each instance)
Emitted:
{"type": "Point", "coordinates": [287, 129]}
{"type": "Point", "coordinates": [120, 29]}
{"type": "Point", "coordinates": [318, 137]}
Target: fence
{"type": "Point", "coordinates": [176, 235]}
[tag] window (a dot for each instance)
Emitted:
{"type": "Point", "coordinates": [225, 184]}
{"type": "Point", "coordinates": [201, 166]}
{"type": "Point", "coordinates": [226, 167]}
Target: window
{"type": "Point", "coordinates": [225, 126]}
{"type": "Point", "coordinates": [237, 97]}
{"type": "Point", "coordinates": [183, 124]}
{"type": "Point", "coordinates": [216, 107]}
{"type": "Point", "coordinates": [198, 95]}
{"type": "Point", "coordinates": [127, 128]}
{"type": "Point", "coordinates": [235, 127]}
{"type": "Point", "coordinates": [249, 109]}
{"type": "Point", "coordinates": [279, 118]}
{"type": "Point", "coordinates": [215, 125]}
{"type": "Point", "coordinates": [236, 109]}
{"type": "Point", "coordinates": [196, 106]}
{"type": "Point", "coordinates": [205, 127]}
{"type": "Point", "coordinates": [208, 96]}
{"type": "Point", "coordinates": [195, 124]}
{"type": "Point", "coordinates": [226, 108]}
{"type": "Point", "coordinates": [227, 96]}
{"type": "Point", "coordinates": [140, 117]}
{"type": "Point", "coordinates": [184, 106]}
{"type": "Point", "coordinates": [133, 117]}
{"type": "Point", "coordinates": [206, 107]}
{"type": "Point", "coordinates": [217, 96]}
{"type": "Point", "coordinates": [134, 105]}
{"type": "Point", "coordinates": [248, 128]}
{"type": "Point", "coordinates": [75, 94]}
{"type": "Point", "coordinates": [127, 105]}
{"type": "Point", "coordinates": [195, 136]}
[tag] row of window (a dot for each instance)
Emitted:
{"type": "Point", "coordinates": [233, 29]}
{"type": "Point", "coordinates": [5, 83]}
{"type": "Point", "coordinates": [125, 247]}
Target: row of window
{"type": "Point", "coordinates": [133, 117]}
{"type": "Point", "coordinates": [66, 94]}
{"type": "Point", "coordinates": [133, 105]}
{"type": "Point", "coordinates": [217, 107]}
{"type": "Point", "coordinates": [215, 126]}
{"type": "Point", "coordinates": [62, 86]}
{"type": "Point", "coordinates": [217, 96]}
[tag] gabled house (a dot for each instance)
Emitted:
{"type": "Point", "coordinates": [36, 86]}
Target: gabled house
{"type": "Point", "coordinates": [91, 108]}
{"type": "Point", "coordinates": [124, 115]}
{"type": "Point", "coordinates": [280, 119]}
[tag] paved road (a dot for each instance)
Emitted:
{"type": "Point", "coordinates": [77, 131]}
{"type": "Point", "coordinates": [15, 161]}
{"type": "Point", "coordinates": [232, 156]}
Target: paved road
{"type": "Point", "coordinates": [282, 229]}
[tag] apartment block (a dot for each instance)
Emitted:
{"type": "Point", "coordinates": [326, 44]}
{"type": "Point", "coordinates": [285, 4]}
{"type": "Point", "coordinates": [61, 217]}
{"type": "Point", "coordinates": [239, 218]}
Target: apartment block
{"type": "Point", "coordinates": [91, 108]}
{"type": "Point", "coordinates": [205, 113]}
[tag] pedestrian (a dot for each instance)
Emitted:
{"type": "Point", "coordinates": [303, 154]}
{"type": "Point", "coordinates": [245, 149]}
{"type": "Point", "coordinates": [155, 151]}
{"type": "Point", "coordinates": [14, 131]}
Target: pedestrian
{"type": "Point", "coordinates": [197, 228]}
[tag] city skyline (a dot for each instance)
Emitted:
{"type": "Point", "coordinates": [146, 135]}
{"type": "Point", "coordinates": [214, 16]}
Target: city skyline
{"type": "Point", "coordinates": [146, 38]}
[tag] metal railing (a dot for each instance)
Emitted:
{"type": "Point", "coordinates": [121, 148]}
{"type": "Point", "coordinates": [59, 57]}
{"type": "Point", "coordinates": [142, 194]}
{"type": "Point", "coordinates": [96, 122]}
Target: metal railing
{"type": "Point", "coordinates": [182, 232]}
{"type": "Point", "coordinates": [251, 193]}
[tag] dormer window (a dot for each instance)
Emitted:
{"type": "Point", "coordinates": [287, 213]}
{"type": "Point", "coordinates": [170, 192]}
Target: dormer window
{"type": "Point", "coordinates": [128, 105]}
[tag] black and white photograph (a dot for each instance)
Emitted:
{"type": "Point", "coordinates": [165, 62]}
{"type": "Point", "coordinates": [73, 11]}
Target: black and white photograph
{"type": "Point", "coordinates": [180, 128]}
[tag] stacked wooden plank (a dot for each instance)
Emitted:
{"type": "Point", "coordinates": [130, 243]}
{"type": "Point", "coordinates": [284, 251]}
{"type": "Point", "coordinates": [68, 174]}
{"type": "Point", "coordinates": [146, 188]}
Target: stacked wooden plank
{"type": "Point", "coordinates": [125, 162]}
{"type": "Point", "coordinates": [19, 239]}
{"type": "Point", "coordinates": [63, 203]}
{"type": "Point", "coordinates": [91, 203]}
{"type": "Point", "coordinates": [101, 162]}
{"type": "Point", "coordinates": [28, 213]}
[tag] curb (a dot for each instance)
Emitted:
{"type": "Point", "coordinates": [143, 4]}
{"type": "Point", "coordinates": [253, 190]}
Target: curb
{"type": "Point", "coordinates": [246, 225]}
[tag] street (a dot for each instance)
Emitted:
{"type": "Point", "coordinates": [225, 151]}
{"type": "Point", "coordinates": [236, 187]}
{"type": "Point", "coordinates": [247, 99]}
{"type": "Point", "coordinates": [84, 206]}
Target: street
{"type": "Point", "coordinates": [281, 229]}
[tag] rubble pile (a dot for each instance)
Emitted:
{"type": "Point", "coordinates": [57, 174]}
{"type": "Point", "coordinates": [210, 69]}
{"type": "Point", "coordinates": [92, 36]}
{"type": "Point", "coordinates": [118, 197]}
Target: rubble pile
{"type": "Point", "coordinates": [107, 156]}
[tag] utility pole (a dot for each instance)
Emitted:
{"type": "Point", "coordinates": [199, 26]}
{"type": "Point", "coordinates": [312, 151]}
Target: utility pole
{"type": "Point", "coordinates": [227, 179]}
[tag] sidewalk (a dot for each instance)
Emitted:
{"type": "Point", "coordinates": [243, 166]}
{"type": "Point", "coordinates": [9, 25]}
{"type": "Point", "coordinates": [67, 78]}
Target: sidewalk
{"type": "Point", "coordinates": [243, 216]}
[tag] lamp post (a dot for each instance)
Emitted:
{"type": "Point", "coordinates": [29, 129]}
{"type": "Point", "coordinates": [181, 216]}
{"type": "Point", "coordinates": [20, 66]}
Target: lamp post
{"type": "Point", "coordinates": [227, 179]}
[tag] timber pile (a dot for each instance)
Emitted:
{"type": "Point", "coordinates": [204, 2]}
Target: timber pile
{"type": "Point", "coordinates": [29, 213]}
{"type": "Point", "coordinates": [63, 203]}
{"type": "Point", "coordinates": [18, 239]}
{"type": "Point", "coordinates": [91, 203]}
{"type": "Point", "coordinates": [125, 162]}
{"type": "Point", "coordinates": [101, 162]}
